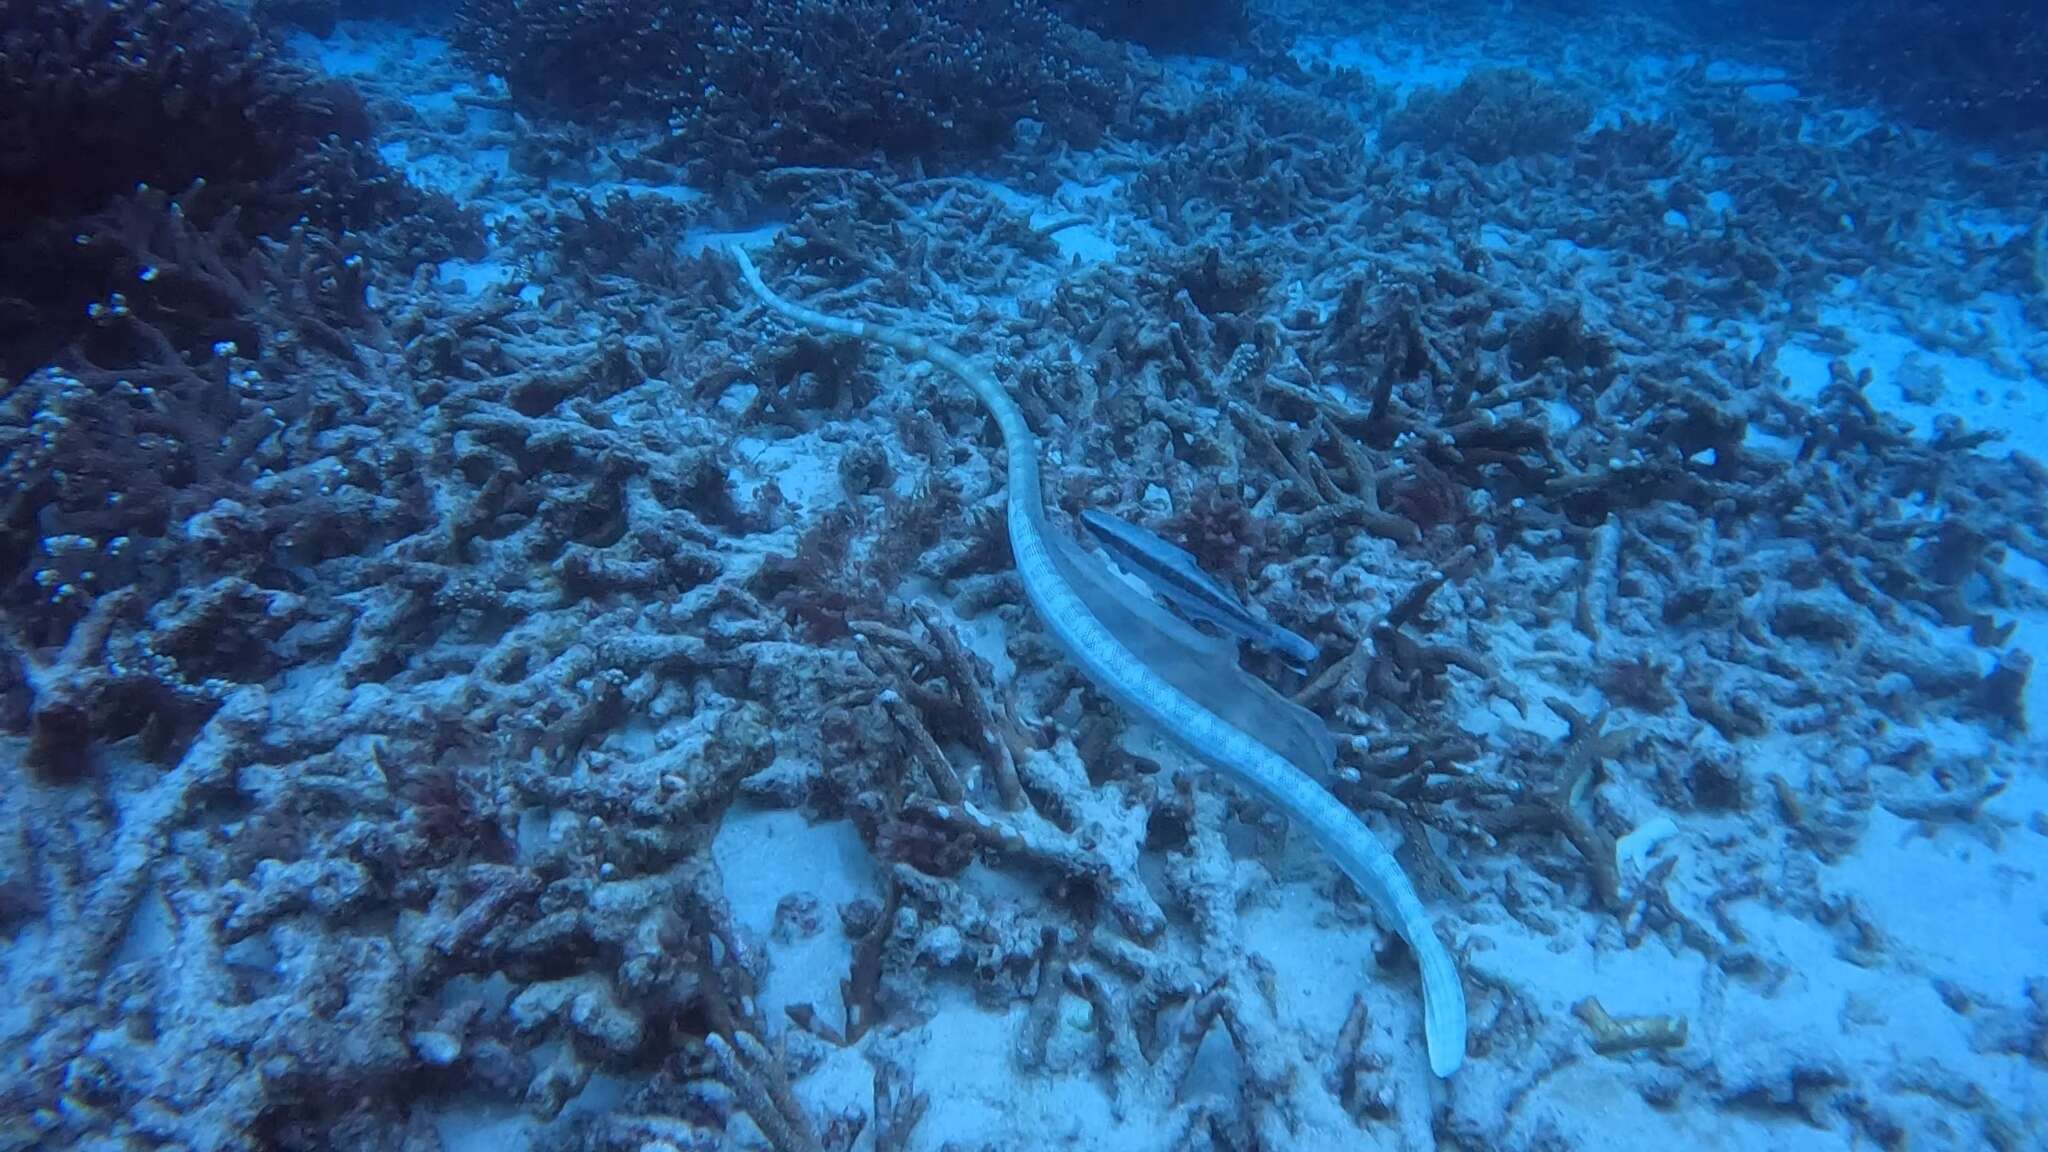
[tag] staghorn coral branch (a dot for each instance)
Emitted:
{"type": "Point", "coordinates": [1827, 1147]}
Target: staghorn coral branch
{"type": "Point", "coordinates": [962, 670]}
{"type": "Point", "coordinates": [899, 1106]}
{"type": "Point", "coordinates": [1068, 856]}
{"type": "Point", "coordinates": [1618, 1035]}
{"type": "Point", "coordinates": [762, 1091]}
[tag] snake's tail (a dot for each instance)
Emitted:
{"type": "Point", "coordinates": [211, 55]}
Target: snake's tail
{"type": "Point", "coordinates": [1443, 1004]}
{"type": "Point", "coordinates": [1373, 869]}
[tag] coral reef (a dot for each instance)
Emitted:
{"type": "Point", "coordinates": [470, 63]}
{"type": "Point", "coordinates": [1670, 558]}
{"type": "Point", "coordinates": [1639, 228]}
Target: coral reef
{"type": "Point", "coordinates": [532, 697]}
{"type": "Point", "coordinates": [750, 84]}
{"type": "Point", "coordinates": [91, 113]}
{"type": "Point", "coordinates": [113, 106]}
{"type": "Point", "coordinates": [1490, 117]}
{"type": "Point", "coordinates": [204, 444]}
{"type": "Point", "coordinates": [189, 430]}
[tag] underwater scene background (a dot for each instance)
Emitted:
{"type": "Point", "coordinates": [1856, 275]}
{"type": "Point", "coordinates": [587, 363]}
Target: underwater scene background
{"type": "Point", "coordinates": [1023, 574]}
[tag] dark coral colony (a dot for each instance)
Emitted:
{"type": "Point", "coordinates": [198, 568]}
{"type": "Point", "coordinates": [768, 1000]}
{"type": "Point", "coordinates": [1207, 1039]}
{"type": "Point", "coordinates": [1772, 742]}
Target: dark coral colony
{"type": "Point", "coordinates": [831, 575]}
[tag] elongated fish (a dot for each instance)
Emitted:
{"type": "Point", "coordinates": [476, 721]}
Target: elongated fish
{"type": "Point", "coordinates": [1048, 562]}
{"type": "Point", "coordinates": [1174, 574]}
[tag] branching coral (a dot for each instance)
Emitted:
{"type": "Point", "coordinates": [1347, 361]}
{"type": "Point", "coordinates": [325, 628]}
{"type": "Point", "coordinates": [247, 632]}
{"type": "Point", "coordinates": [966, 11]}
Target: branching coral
{"type": "Point", "coordinates": [104, 98]}
{"type": "Point", "coordinates": [199, 438]}
{"type": "Point", "coordinates": [749, 84]}
{"type": "Point", "coordinates": [89, 113]}
{"type": "Point", "coordinates": [1492, 116]}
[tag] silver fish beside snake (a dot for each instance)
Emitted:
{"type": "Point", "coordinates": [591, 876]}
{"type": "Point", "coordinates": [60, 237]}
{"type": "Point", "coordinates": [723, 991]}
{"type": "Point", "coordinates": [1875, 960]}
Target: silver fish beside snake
{"type": "Point", "coordinates": [1168, 570]}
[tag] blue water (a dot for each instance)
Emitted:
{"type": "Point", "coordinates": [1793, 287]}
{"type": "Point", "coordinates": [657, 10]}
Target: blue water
{"type": "Point", "coordinates": [478, 672]}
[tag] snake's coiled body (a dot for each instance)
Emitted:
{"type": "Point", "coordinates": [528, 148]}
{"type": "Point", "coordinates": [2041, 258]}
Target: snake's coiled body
{"type": "Point", "coordinates": [1118, 672]}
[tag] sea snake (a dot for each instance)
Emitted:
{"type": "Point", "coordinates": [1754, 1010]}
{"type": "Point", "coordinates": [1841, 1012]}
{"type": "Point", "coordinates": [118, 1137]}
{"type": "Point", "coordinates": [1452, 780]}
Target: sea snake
{"type": "Point", "coordinates": [1114, 669]}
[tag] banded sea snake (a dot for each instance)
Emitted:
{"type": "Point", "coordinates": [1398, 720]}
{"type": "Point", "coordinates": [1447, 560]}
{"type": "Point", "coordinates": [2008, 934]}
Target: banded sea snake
{"type": "Point", "coordinates": [1044, 562]}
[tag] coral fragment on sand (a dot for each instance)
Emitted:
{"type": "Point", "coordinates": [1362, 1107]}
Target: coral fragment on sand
{"type": "Point", "coordinates": [1615, 1036]}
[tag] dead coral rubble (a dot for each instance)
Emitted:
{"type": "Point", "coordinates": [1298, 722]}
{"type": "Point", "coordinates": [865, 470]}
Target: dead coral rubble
{"type": "Point", "coordinates": [407, 746]}
{"type": "Point", "coordinates": [1656, 522]}
{"type": "Point", "coordinates": [1491, 116]}
{"type": "Point", "coordinates": [154, 463]}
